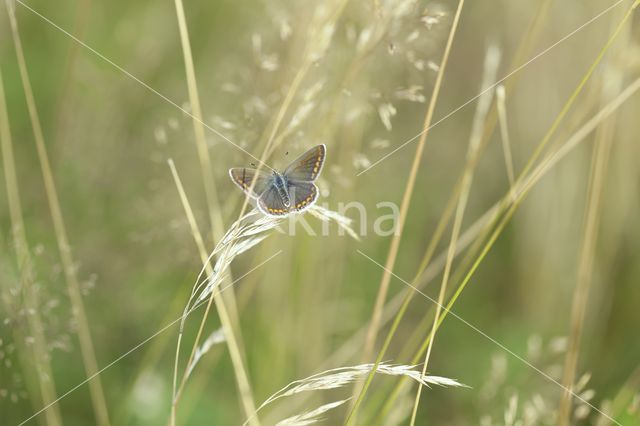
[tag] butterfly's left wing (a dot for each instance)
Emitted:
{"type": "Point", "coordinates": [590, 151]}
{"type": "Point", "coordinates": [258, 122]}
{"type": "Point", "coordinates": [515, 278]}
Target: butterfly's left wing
{"type": "Point", "coordinates": [308, 166]}
{"type": "Point", "coordinates": [271, 204]}
{"type": "Point", "coordinates": [243, 177]}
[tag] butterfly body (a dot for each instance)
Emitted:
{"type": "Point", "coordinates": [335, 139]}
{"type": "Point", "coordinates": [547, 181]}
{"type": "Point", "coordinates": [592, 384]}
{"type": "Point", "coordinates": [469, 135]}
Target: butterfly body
{"type": "Point", "coordinates": [280, 182]}
{"type": "Point", "coordinates": [279, 194]}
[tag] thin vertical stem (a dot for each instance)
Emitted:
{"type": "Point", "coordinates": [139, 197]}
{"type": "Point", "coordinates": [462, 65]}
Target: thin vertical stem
{"type": "Point", "coordinates": [504, 133]}
{"type": "Point", "coordinates": [73, 286]}
{"type": "Point", "coordinates": [241, 375]}
{"type": "Point", "coordinates": [404, 208]}
{"type": "Point", "coordinates": [217, 227]}
{"type": "Point", "coordinates": [600, 160]}
{"type": "Point", "coordinates": [491, 65]}
{"type": "Point", "coordinates": [229, 312]}
{"type": "Point", "coordinates": [25, 268]}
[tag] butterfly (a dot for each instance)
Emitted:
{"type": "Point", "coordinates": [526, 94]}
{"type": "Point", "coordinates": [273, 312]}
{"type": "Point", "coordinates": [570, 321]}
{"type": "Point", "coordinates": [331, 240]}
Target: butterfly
{"type": "Point", "coordinates": [279, 194]}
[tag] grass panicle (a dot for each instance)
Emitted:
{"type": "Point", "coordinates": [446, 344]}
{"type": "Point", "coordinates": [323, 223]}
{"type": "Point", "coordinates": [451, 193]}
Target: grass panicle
{"type": "Point", "coordinates": [345, 376]}
{"type": "Point", "coordinates": [312, 416]}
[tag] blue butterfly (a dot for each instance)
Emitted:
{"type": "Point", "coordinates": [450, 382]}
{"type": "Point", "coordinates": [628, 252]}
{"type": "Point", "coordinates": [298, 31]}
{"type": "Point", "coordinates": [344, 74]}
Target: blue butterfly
{"type": "Point", "coordinates": [279, 194]}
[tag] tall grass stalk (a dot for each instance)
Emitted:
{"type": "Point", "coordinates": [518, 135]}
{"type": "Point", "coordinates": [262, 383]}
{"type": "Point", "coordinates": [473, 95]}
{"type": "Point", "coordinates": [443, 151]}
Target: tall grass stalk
{"type": "Point", "coordinates": [481, 229]}
{"type": "Point", "coordinates": [601, 150]}
{"type": "Point", "coordinates": [421, 330]}
{"type": "Point", "coordinates": [213, 204]}
{"type": "Point", "coordinates": [600, 161]}
{"type": "Point", "coordinates": [71, 278]}
{"type": "Point", "coordinates": [43, 373]}
{"type": "Point", "coordinates": [217, 225]}
{"type": "Point", "coordinates": [236, 358]}
{"type": "Point", "coordinates": [374, 325]}
{"type": "Point", "coordinates": [426, 264]}
{"type": "Point", "coordinates": [406, 199]}
{"type": "Point", "coordinates": [492, 60]}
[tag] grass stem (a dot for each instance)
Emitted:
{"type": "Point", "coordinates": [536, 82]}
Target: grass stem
{"type": "Point", "coordinates": [45, 378]}
{"type": "Point", "coordinates": [374, 325]}
{"type": "Point", "coordinates": [600, 161]}
{"type": "Point", "coordinates": [491, 65]}
{"type": "Point", "coordinates": [73, 286]}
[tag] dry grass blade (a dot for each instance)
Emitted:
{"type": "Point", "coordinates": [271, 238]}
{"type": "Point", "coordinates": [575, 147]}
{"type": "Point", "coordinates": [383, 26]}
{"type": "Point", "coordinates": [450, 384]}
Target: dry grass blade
{"type": "Point", "coordinates": [213, 339]}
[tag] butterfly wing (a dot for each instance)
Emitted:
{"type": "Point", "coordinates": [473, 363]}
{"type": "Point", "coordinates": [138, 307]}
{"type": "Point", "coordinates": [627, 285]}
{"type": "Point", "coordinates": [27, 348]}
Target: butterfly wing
{"type": "Point", "coordinates": [271, 204]}
{"type": "Point", "coordinates": [302, 194]}
{"type": "Point", "coordinates": [243, 177]}
{"type": "Point", "coordinates": [308, 166]}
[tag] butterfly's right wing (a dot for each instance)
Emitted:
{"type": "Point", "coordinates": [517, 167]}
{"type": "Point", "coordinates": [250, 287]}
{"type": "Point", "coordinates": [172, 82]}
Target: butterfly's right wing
{"type": "Point", "coordinates": [243, 177]}
{"type": "Point", "coordinates": [307, 167]}
{"type": "Point", "coordinates": [303, 194]}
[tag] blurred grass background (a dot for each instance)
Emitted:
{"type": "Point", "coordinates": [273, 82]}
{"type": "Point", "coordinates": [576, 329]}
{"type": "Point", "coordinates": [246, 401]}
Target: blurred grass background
{"type": "Point", "coordinates": [108, 140]}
